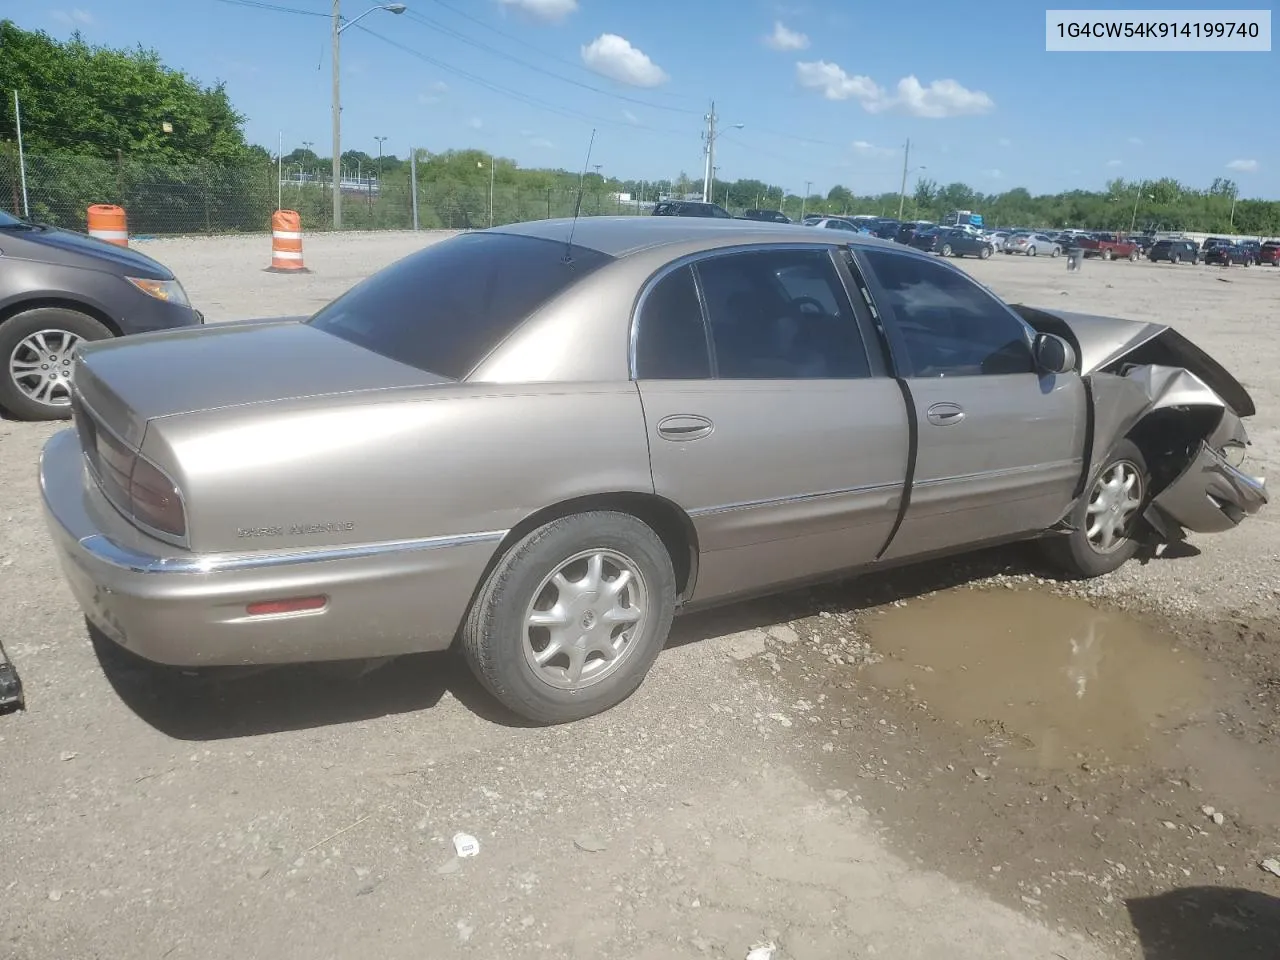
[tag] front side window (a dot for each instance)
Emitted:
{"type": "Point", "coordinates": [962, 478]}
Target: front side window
{"type": "Point", "coordinates": [780, 314]}
{"type": "Point", "coordinates": [444, 308]}
{"type": "Point", "coordinates": [951, 327]}
{"type": "Point", "coordinates": [671, 341]}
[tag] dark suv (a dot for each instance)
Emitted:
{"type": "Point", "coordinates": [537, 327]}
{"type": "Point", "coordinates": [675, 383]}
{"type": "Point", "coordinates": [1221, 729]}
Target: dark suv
{"type": "Point", "coordinates": [1175, 251]}
{"type": "Point", "coordinates": [1228, 254]}
{"type": "Point", "coordinates": [768, 216]}
{"type": "Point", "coordinates": [689, 208]}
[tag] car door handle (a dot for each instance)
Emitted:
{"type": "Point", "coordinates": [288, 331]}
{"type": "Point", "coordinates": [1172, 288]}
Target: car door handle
{"type": "Point", "coordinates": [944, 414]}
{"type": "Point", "coordinates": [684, 427]}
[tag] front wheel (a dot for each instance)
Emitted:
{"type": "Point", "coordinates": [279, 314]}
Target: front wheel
{"type": "Point", "coordinates": [1133, 256]}
{"type": "Point", "coordinates": [1106, 254]}
{"type": "Point", "coordinates": [984, 253]}
{"type": "Point", "coordinates": [1055, 252]}
{"type": "Point", "coordinates": [1177, 258]}
{"type": "Point", "coordinates": [37, 349]}
{"type": "Point", "coordinates": [1031, 251]}
{"type": "Point", "coordinates": [946, 249]}
{"type": "Point", "coordinates": [1104, 521]}
{"type": "Point", "coordinates": [573, 616]}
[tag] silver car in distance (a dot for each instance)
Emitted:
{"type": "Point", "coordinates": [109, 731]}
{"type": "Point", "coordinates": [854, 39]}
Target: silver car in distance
{"type": "Point", "coordinates": [540, 450]}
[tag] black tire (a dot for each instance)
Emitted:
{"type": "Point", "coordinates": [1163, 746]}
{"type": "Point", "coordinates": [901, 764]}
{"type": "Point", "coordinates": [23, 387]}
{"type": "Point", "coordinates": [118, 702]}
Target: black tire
{"type": "Point", "coordinates": [1133, 256]}
{"type": "Point", "coordinates": [984, 253]}
{"type": "Point", "coordinates": [1107, 254]}
{"type": "Point", "coordinates": [493, 635]}
{"type": "Point", "coordinates": [1176, 259]}
{"type": "Point", "coordinates": [13, 399]}
{"type": "Point", "coordinates": [1073, 553]}
{"type": "Point", "coordinates": [1057, 251]}
{"type": "Point", "coordinates": [946, 249]}
{"type": "Point", "coordinates": [1031, 251]}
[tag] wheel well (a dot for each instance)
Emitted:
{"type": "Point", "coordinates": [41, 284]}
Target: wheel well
{"type": "Point", "coordinates": [1169, 439]}
{"type": "Point", "coordinates": [12, 309]}
{"type": "Point", "coordinates": [668, 521]}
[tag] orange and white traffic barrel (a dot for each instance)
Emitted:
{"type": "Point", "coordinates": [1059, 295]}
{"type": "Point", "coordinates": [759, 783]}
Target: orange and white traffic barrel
{"type": "Point", "coordinates": [286, 243]}
{"type": "Point", "coordinates": [107, 222]}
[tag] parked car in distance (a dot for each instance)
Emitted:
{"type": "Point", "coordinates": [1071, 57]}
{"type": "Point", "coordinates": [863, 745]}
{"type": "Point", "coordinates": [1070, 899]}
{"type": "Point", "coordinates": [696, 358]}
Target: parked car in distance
{"type": "Point", "coordinates": [1175, 251]}
{"type": "Point", "coordinates": [885, 228]}
{"type": "Point", "coordinates": [1032, 245]}
{"type": "Point", "coordinates": [1269, 252]}
{"type": "Point", "coordinates": [403, 480]}
{"type": "Point", "coordinates": [997, 238]}
{"type": "Point", "coordinates": [954, 242]}
{"type": "Point", "coordinates": [910, 229]}
{"type": "Point", "coordinates": [690, 208]}
{"type": "Point", "coordinates": [1228, 254]}
{"type": "Point", "coordinates": [831, 223]}
{"type": "Point", "coordinates": [1109, 246]}
{"type": "Point", "coordinates": [58, 289]}
{"type": "Point", "coordinates": [1253, 247]}
{"type": "Point", "coordinates": [766, 216]}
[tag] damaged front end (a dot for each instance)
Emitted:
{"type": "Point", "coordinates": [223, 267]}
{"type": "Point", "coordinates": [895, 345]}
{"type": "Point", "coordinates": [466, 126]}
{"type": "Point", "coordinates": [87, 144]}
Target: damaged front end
{"type": "Point", "coordinates": [1150, 384]}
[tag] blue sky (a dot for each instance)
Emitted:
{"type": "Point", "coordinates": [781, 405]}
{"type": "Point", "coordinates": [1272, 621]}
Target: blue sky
{"type": "Point", "coordinates": [827, 90]}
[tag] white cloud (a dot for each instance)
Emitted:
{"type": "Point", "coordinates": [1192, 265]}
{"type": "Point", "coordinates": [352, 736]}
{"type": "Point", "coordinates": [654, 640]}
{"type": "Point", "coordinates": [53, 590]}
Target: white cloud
{"type": "Point", "coordinates": [1115, 163]}
{"type": "Point", "coordinates": [865, 149]}
{"type": "Point", "coordinates": [1004, 142]}
{"type": "Point", "coordinates": [784, 39]}
{"type": "Point", "coordinates": [994, 174]}
{"type": "Point", "coordinates": [74, 18]}
{"type": "Point", "coordinates": [941, 98]}
{"type": "Point", "coordinates": [548, 10]}
{"type": "Point", "coordinates": [1243, 166]}
{"type": "Point", "coordinates": [475, 123]}
{"type": "Point", "coordinates": [612, 56]}
{"type": "Point", "coordinates": [542, 143]}
{"type": "Point", "coordinates": [835, 84]}
{"type": "Point", "coordinates": [630, 117]}
{"type": "Point", "coordinates": [434, 93]}
{"type": "Point", "coordinates": [1136, 141]}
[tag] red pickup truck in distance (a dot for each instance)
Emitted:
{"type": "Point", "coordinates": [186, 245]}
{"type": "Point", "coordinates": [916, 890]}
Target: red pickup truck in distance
{"type": "Point", "coordinates": [1109, 246]}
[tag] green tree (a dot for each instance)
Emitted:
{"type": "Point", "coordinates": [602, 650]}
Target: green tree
{"type": "Point", "coordinates": [103, 102]}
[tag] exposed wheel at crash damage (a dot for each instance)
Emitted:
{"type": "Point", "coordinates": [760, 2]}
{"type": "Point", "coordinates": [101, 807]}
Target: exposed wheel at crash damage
{"type": "Point", "coordinates": [1104, 520]}
{"type": "Point", "coordinates": [572, 617]}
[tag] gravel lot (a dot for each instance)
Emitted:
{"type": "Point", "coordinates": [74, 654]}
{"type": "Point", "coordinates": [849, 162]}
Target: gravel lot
{"type": "Point", "coordinates": [772, 781]}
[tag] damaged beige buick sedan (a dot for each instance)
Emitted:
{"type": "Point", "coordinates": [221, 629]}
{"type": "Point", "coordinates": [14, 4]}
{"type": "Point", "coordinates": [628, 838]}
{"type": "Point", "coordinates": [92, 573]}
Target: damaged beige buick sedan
{"type": "Point", "coordinates": [538, 445]}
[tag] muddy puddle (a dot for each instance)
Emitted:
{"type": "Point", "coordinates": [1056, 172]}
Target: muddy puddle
{"type": "Point", "coordinates": [1050, 680]}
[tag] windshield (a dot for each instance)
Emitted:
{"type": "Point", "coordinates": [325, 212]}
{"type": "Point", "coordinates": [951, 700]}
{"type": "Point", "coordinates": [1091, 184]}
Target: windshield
{"type": "Point", "coordinates": [8, 220]}
{"type": "Point", "coordinates": [444, 308]}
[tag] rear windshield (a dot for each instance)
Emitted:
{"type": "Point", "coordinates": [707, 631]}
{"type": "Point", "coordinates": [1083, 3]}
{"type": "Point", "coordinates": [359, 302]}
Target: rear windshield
{"type": "Point", "coordinates": [444, 308]}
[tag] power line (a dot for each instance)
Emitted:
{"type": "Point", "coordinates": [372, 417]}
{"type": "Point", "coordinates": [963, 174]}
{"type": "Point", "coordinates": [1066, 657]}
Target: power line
{"type": "Point", "coordinates": [523, 43]}
{"type": "Point", "coordinates": [275, 7]}
{"type": "Point", "coordinates": [435, 25]}
{"type": "Point", "coordinates": [515, 94]}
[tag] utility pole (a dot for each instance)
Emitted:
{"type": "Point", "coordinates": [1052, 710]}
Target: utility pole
{"type": "Point", "coordinates": [22, 160]}
{"type": "Point", "coordinates": [902, 194]}
{"type": "Point", "coordinates": [491, 167]}
{"type": "Point", "coordinates": [710, 152]}
{"type": "Point", "coordinates": [805, 199]}
{"type": "Point", "coordinates": [336, 111]}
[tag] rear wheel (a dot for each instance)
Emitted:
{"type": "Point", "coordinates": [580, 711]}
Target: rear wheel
{"type": "Point", "coordinates": [572, 618]}
{"type": "Point", "coordinates": [1031, 251]}
{"type": "Point", "coordinates": [946, 249]}
{"type": "Point", "coordinates": [1104, 521]}
{"type": "Point", "coordinates": [1133, 256]}
{"type": "Point", "coordinates": [1055, 252]}
{"type": "Point", "coordinates": [984, 253]}
{"type": "Point", "coordinates": [1176, 258]}
{"type": "Point", "coordinates": [37, 349]}
{"type": "Point", "coordinates": [1107, 254]}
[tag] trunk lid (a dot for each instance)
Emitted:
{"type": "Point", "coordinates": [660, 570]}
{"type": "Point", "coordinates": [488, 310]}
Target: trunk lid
{"type": "Point", "coordinates": [131, 380]}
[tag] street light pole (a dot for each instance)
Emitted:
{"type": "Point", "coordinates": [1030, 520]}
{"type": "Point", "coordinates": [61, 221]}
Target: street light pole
{"type": "Point", "coordinates": [805, 198]}
{"type": "Point", "coordinates": [336, 106]}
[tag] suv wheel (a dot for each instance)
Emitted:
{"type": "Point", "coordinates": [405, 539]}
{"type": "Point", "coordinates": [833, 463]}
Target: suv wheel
{"type": "Point", "coordinates": [1176, 258]}
{"type": "Point", "coordinates": [37, 350]}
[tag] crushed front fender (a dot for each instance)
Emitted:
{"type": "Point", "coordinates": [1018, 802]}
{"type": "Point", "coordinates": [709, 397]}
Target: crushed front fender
{"type": "Point", "coordinates": [1210, 496]}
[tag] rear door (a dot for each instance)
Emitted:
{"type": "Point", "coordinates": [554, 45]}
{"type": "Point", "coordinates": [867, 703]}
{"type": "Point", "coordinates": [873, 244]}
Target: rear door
{"type": "Point", "coordinates": [769, 421]}
{"type": "Point", "coordinates": [1000, 447]}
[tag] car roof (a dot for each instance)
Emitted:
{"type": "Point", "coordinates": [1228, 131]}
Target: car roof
{"type": "Point", "coordinates": [623, 236]}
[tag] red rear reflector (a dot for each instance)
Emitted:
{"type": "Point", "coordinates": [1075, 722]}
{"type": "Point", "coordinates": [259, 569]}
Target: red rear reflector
{"type": "Point", "coordinates": [291, 605]}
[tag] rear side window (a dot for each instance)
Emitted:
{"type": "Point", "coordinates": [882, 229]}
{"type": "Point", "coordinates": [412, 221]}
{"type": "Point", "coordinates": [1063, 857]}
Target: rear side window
{"type": "Point", "coordinates": [671, 339]}
{"type": "Point", "coordinates": [444, 308]}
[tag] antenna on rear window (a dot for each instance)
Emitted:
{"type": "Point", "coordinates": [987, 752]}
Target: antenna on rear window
{"type": "Point", "coordinates": [577, 204]}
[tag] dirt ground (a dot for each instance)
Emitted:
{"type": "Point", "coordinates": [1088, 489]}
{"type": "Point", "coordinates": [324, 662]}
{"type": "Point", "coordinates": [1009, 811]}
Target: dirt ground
{"type": "Point", "coordinates": [962, 759]}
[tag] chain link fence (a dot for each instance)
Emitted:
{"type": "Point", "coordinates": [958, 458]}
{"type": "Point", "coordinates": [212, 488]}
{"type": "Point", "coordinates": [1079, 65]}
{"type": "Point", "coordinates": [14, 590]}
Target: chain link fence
{"type": "Point", "coordinates": [161, 199]}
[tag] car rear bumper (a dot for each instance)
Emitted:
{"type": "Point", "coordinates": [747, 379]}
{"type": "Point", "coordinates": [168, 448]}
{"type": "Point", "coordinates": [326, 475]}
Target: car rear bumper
{"type": "Point", "coordinates": [189, 610]}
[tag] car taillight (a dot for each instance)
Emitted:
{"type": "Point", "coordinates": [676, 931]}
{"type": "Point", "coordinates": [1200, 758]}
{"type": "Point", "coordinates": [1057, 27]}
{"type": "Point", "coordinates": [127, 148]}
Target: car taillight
{"type": "Point", "coordinates": [132, 483]}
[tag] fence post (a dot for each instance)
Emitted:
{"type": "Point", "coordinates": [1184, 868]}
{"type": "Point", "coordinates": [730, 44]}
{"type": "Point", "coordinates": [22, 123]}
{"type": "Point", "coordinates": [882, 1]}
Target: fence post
{"type": "Point", "coordinates": [413, 182]}
{"type": "Point", "coordinates": [120, 177]}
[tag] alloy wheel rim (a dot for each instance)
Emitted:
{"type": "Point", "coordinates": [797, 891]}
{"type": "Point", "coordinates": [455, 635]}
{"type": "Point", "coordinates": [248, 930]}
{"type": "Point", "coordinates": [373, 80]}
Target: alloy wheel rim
{"type": "Point", "coordinates": [41, 366]}
{"type": "Point", "coordinates": [1116, 497]}
{"type": "Point", "coordinates": [584, 619]}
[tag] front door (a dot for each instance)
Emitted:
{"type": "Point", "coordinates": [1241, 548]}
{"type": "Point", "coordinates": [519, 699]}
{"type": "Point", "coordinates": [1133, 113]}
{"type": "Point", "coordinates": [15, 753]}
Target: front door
{"type": "Point", "coordinates": [1000, 447]}
{"type": "Point", "coordinates": [766, 422]}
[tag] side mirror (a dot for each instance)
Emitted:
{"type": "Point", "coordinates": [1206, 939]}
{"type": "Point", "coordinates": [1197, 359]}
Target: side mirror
{"type": "Point", "coordinates": [1053, 354]}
